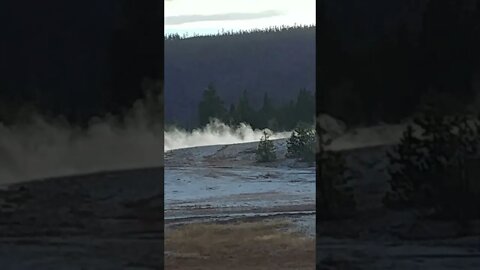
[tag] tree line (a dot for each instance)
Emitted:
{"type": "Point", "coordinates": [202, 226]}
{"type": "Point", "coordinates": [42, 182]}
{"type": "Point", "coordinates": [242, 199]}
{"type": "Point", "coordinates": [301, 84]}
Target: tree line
{"type": "Point", "coordinates": [274, 117]}
{"type": "Point", "coordinates": [227, 33]}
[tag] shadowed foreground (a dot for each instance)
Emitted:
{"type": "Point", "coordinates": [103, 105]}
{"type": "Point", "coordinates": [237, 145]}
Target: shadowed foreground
{"type": "Point", "coordinates": [377, 237]}
{"type": "Point", "coordinates": [110, 220]}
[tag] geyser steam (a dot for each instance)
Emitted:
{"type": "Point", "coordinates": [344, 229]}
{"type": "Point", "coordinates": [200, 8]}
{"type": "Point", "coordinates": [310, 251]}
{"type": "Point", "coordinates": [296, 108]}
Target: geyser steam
{"type": "Point", "coordinates": [213, 133]}
{"type": "Point", "coordinates": [45, 148]}
{"type": "Point", "coordinates": [42, 148]}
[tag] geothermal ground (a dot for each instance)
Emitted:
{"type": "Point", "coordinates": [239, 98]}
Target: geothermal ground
{"type": "Point", "coordinates": [224, 182]}
{"type": "Point", "coordinates": [256, 216]}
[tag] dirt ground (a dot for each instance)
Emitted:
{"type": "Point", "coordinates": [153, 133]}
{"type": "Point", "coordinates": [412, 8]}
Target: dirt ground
{"type": "Point", "coordinates": [240, 245]}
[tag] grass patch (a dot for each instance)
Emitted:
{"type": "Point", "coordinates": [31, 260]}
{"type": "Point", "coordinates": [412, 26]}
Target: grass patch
{"type": "Point", "coordinates": [242, 245]}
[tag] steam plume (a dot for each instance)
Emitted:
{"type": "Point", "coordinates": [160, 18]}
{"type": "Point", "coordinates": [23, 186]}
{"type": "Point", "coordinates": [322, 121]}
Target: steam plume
{"type": "Point", "coordinates": [215, 132]}
{"type": "Point", "coordinates": [44, 148]}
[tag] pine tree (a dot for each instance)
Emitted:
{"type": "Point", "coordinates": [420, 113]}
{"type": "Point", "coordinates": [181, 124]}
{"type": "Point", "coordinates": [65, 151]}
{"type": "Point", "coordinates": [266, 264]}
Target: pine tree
{"type": "Point", "coordinates": [287, 117]}
{"type": "Point", "coordinates": [265, 114]}
{"type": "Point", "coordinates": [335, 194]}
{"type": "Point", "coordinates": [301, 144]}
{"type": "Point", "coordinates": [305, 107]}
{"type": "Point", "coordinates": [231, 115]}
{"type": "Point", "coordinates": [266, 149]}
{"type": "Point", "coordinates": [430, 171]}
{"type": "Point", "coordinates": [244, 112]}
{"type": "Point", "coordinates": [211, 106]}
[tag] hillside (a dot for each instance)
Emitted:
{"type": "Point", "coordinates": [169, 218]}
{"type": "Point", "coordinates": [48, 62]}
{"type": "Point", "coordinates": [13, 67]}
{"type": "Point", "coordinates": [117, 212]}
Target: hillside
{"type": "Point", "coordinates": [280, 63]}
{"type": "Point", "coordinates": [378, 61]}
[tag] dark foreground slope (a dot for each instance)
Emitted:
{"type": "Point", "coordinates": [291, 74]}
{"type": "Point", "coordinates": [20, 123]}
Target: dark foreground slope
{"type": "Point", "coordinates": [111, 220]}
{"type": "Point", "coordinates": [279, 63]}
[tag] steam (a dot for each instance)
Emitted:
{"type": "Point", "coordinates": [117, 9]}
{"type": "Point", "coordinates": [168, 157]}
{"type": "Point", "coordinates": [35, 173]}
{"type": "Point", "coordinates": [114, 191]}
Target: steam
{"type": "Point", "coordinates": [368, 137]}
{"type": "Point", "coordinates": [44, 148]}
{"type": "Point", "coordinates": [215, 133]}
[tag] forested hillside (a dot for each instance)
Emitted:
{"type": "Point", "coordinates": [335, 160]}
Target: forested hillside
{"type": "Point", "coordinates": [377, 61]}
{"type": "Point", "coordinates": [278, 62]}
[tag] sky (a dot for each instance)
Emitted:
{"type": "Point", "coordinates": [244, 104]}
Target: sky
{"type": "Point", "coordinates": [211, 16]}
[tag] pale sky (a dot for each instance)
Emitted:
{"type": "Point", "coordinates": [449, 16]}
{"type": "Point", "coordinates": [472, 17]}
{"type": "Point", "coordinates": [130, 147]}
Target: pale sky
{"type": "Point", "coordinates": [210, 16]}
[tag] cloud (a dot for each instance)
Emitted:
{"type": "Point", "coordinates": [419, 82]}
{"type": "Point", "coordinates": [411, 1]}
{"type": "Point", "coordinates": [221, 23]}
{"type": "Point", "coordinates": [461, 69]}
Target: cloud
{"type": "Point", "coordinates": [181, 19]}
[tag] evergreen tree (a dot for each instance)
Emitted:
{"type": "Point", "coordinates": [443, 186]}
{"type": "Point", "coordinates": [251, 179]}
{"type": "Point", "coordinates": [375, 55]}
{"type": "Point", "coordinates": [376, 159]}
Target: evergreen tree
{"type": "Point", "coordinates": [435, 170]}
{"type": "Point", "coordinates": [287, 116]}
{"type": "Point", "coordinates": [211, 106]}
{"type": "Point", "coordinates": [305, 107]}
{"type": "Point", "coordinates": [267, 104]}
{"type": "Point", "coordinates": [335, 194]}
{"type": "Point", "coordinates": [265, 115]}
{"type": "Point", "coordinates": [266, 149]}
{"type": "Point", "coordinates": [244, 112]}
{"type": "Point", "coordinates": [301, 144]}
{"type": "Point", "coordinates": [231, 115]}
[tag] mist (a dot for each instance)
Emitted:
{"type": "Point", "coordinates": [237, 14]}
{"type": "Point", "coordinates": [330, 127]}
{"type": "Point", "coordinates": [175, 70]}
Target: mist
{"type": "Point", "coordinates": [40, 148]}
{"type": "Point", "coordinates": [215, 133]}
